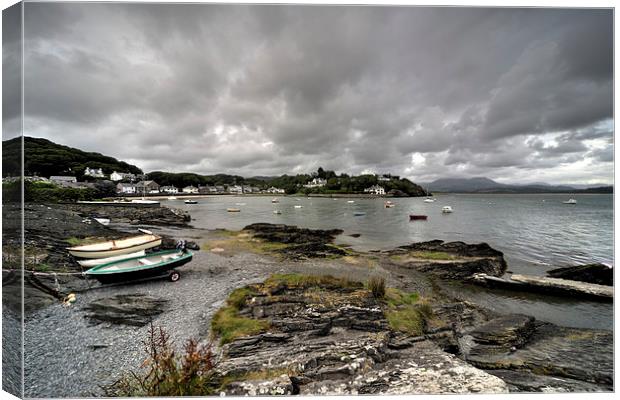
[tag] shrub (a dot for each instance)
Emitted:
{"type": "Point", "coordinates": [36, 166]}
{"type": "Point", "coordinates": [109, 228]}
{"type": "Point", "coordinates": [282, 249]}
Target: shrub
{"type": "Point", "coordinates": [167, 374]}
{"type": "Point", "coordinates": [376, 284]}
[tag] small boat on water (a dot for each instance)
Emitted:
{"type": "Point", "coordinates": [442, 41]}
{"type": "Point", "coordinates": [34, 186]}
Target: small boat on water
{"type": "Point", "coordinates": [142, 267]}
{"type": "Point", "coordinates": [429, 200]}
{"type": "Point", "coordinates": [233, 210]}
{"type": "Point", "coordinates": [388, 204]}
{"type": "Point", "coordinates": [359, 214]}
{"type": "Point", "coordinates": [278, 212]}
{"type": "Point", "coordinates": [446, 209]}
{"type": "Point", "coordinates": [275, 200]}
{"type": "Point", "coordinates": [570, 201]}
{"type": "Point", "coordinates": [98, 261]}
{"type": "Point", "coordinates": [414, 217]}
{"type": "Point", "coordinates": [299, 206]}
{"type": "Point", "coordinates": [190, 202]}
{"type": "Point", "coordinates": [113, 248]}
{"type": "Point", "coordinates": [350, 201]}
{"type": "Point", "coordinates": [102, 221]}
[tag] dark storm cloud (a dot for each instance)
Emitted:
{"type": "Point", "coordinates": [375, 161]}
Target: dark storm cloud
{"type": "Point", "coordinates": [258, 90]}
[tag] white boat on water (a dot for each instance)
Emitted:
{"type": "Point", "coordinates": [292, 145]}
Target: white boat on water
{"type": "Point", "coordinates": [274, 200]}
{"type": "Point", "coordinates": [351, 201]}
{"type": "Point", "coordinates": [446, 209]}
{"type": "Point", "coordinates": [113, 248]}
{"type": "Point", "coordinates": [388, 204]}
{"type": "Point", "coordinates": [277, 212]}
{"type": "Point", "coordinates": [570, 201]}
{"type": "Point", "coordinates": [190, 201]}
{"type": "Point", "coordinates": [429, 200]}
{"type": "Point", "coordinates": [103, 221]}
{"type": "Point", "coordinates": [98, 261]}
{"type": "Point", "coordinates": [299, 206]}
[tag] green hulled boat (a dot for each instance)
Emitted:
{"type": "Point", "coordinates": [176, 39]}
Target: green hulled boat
{"type": "Point", "coordinates": [157, 264]}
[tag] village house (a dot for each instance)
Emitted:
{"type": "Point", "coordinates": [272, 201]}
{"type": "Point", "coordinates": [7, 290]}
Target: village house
{"type": "Point", "coordinates": [376, 190]}
{"type": "Point", "coordinates": [169, 189]}
{"type": "Point", "coordinates": [121, 176]}
{"type": "Point", "coordinates": [190, 189]}
{"type": "Point", "coordinates": [94, 172]}
{"type": "Point", "coordinates": [63, 180]}
{"type": "Point", "coordinates": [126, 188]}
{"type": "Point", "coordinates": [207, 189]}
{"type": "Point", "coordinates": [144, 187]}
{"type": "Point", "coordinates": [220, 189]}
{"type": "Point", "coordinates": [275, 190]}
{"type": "Point", "coordinates": [236, 189]}
{"type": "Point", "coordinates": [316, 182]}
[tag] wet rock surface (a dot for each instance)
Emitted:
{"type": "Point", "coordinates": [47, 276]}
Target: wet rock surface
{"type": "Point", "coordinates": [331, 340]}
{"type": "Point", "coordinates": [460, 260]}
{"type": "Point", "coordinates": [301, 243]}
{"type": "Point", "coordinates": [133, 215]}
{"type": "Point", "coordinates": [599, 274]}
{"type": "Point", "coordinates": [552, 357]}
{"type": "Point", "coordinates": [125, 309]}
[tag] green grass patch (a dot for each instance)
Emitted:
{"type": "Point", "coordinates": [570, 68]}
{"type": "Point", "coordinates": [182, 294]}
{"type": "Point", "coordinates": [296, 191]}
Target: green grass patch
{"type": "Point", "coordinates": [306, 281]}
{"type": "Point", "coordinates": [397, 298]}
{"type": "Point", "coordinates": [433, 255]}
{"type": "Point", "coordinates": [406, 313]}
{"type": "Point", "coordinates": [406, 320]}
{"type": "Point", "coordinates": [73, 241]}
{"type": "Point", "coordinates": [228, 325]}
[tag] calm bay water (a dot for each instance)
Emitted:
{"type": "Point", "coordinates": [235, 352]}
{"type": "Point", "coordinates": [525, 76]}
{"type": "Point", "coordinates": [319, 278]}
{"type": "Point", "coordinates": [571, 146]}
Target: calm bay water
{"type": "Point", "coordinates": [535, 232]}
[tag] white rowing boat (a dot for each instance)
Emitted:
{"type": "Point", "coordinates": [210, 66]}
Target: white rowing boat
{"type": "Point", "coordinates": [98, 261]}
{"type": "Point", "coordinates": [113, 248]}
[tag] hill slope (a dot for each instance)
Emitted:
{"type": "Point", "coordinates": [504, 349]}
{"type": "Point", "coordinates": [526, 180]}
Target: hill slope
{"type": "Point", "coordinates": [485, 185]}
{"type": "Point", "coordinates": [45, 158]}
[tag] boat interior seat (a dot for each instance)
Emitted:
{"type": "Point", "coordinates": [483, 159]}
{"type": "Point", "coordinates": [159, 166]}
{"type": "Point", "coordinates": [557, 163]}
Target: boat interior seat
{"type": "Point", "coordinates": [145, 261]}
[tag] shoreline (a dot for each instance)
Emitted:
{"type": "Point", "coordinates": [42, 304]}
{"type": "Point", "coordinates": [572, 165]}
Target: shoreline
{"type": "Point", "coordinates": [206, 282]}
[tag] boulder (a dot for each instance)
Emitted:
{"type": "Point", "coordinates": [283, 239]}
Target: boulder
{"type": "Point", "coordinates": [125, 309]}
{"type": "Point", "coordinates": [599, 274]}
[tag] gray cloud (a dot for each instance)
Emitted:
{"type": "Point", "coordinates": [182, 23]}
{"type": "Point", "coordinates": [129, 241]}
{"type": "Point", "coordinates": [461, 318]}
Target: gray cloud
{"type": "Point", "coordinates": [257, 90]}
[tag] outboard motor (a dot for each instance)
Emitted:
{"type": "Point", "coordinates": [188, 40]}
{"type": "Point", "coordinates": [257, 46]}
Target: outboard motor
{"type": "Point", "coordinates": [181, 245]}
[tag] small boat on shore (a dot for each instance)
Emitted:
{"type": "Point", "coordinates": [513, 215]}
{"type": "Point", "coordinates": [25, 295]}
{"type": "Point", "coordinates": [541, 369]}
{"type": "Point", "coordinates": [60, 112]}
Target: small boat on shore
{"type": "Point", "coordinates": [414, 217]}
{"type": "Point", "coordinates": [190, 202]}
{"type": "Point", "coordinates": [98, 261]}
{"type": "Point", "coordinates": [446, 209]}
{"type": "Point", "coordinates": [233, 210]}
{"type": "Point", "coordinates": [142, 267]}
{"type": "Point", "coordinates": [429, 200]}
{"type": "Point", "coordinates": [113, 248]}
{"type": "Point", "coordinates": [570, 201]}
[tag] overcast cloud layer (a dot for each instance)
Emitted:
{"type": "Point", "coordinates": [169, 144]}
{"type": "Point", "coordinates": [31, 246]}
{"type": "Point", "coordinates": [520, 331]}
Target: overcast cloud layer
{"type": "Point", "coordinates": [515, 95]}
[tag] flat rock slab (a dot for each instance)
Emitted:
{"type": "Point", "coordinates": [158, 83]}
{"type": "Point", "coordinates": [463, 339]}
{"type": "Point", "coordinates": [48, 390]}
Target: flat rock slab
{"type": "Point", "coordinates": [517, 343]}
{"type": "Point", "coordinates": [599, 274]}
{"type": "Point", "coordinates": [125, 309]}
{"type": "Point", "coordinates": [541, 284]}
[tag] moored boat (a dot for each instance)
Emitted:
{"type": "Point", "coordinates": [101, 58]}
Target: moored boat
{"type": "Point", "coordinates": [233, 210]}
{"type": "Point", "coordinates": [141, 267]}
{"type": "Point", "coordinates": [359, 214]}
{"type": "Point", "coordinates": [570, 201]}
{"type": "Point", "coordinates": [351, 201]}
{"type": "Point", "coordinates": [113, 248]}
{"type": "Point", "coordinates": [429, 200]}
{"type": "Point", "coordinates": [278, 212]}
{"type": "Point", "coordinates": [299, 206]}
{"type": "Point", "coordinates": [190, 201]}
{"type": "Point", "coordinates": [414, 217]}
{"type": "Point", "coordinates": [98, 261]}
{"type": "Point", "coordinates": [274, 200]}
{"type": "Point", "coordinates": [388, 204]}
{"type": "Point", "coordinates": [446, 209]}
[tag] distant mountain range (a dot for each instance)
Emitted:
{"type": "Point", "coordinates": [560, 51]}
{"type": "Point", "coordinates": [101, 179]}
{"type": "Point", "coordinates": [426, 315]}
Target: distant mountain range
{"type": "Point", "coordinates": [486, 185]}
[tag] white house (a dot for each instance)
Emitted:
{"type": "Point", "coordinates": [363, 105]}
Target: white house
{"type": "Point", "coordinates": [190, 189]}
{"type": "Point", "coordinates": [275, 190]}
{"type": "Point", "coordinates": [316, 182]}
{"type": "Point", "coordinates": [119, 176]}
{"type": "Point", "coordinates": [94, 172]}
{"type": "Point", "coordinates": [126, 188]}
{"type": "Point", "coordinates": [235, 189]}
{"type": "Point", "coordinates": [375, 189]}
{"type": "Point", "coordinates": [168, 189]}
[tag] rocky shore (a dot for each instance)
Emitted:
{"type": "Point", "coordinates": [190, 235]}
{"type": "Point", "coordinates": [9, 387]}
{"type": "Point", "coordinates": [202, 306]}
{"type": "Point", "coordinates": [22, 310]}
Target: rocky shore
{"type": "Point", "coordinates": [325, 335]}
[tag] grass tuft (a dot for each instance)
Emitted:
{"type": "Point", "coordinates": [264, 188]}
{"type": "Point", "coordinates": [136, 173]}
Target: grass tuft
{"type": "Point", "coordinates": [433, 255]}
{"type": "Point", "coordinates": [228, 325]}
{"type": "Point", "coordinates": [376, 284]}
{"type": "Point", "coordinates": [406, 313]}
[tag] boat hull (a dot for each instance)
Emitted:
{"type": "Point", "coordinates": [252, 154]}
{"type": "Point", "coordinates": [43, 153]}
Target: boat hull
{"type": "Point", "coordinates": [152, 272]}
{"type": "Point", "coordinates": [93, 262]}
{"type": "Point", "coordinates": [418, 217]}
{"type": "Point", "coordinates": [114, 252]}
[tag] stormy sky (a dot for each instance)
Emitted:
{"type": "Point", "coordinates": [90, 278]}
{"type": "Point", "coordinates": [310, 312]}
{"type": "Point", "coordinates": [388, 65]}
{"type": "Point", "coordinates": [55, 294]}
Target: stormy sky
{"type": "Point", "coordinates": [518, 95]}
